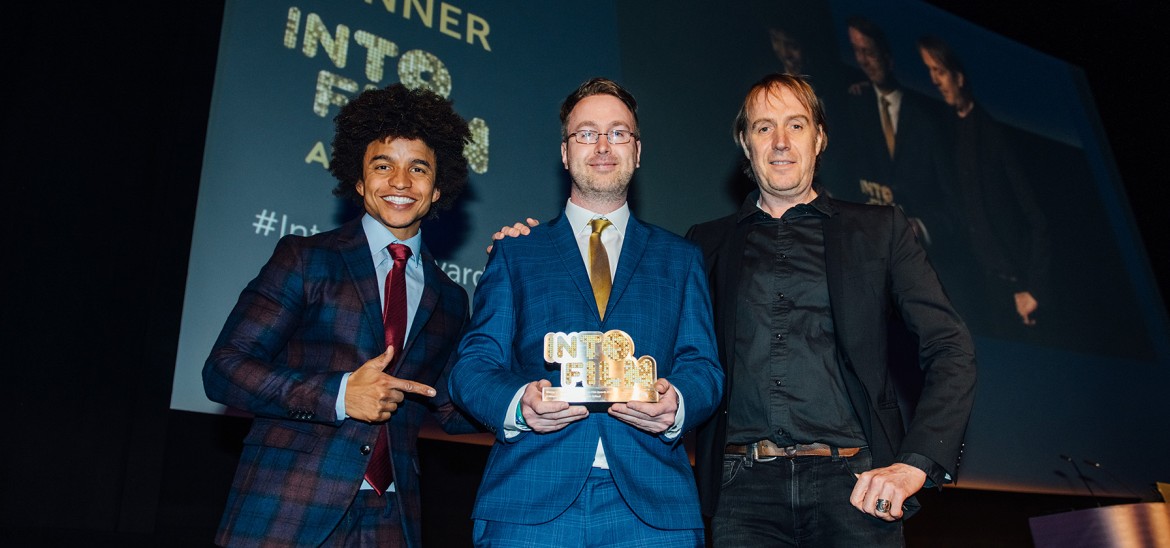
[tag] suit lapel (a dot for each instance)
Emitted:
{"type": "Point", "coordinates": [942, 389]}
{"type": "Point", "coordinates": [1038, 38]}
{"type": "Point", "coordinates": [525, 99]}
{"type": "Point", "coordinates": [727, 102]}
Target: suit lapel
{"type": "Point", "coordinates": [355, 251]}
{"type": "Point", "coordinates": [633, 246]}
{"type": "Point", "coordinates": [566, 248]}
{"type": "Point", "coordinates": [835, 258]}
{"type": "Point", "coordinates": [426, 306]}
{"type": "Point", "coordinates": [729, 269]}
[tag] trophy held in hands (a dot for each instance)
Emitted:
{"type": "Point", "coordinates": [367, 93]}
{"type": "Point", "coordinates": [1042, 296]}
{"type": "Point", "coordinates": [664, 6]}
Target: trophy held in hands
{"type": "Point", "coordinates": [599, 367]}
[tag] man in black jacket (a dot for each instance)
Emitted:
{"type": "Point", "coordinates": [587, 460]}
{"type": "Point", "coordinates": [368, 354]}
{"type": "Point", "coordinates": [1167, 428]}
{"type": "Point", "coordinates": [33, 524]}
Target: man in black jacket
{"type": "Point", "coordinates": [810, 446]}
{"type": "Point", "coordinates": [1007, 231]}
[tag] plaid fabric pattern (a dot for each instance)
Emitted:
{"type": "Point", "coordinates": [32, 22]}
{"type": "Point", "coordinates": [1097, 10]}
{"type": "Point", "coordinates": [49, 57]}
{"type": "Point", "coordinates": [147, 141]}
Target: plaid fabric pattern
{"type": "Point", "coordinates": [311, 315]}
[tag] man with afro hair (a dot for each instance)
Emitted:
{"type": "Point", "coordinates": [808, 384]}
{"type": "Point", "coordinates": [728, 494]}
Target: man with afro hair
{"type": "Point", "coordinates": [343, 343]}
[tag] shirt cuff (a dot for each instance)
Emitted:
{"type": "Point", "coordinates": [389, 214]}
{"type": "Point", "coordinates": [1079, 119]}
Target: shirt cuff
{"type": "Point", "coordinates": [936, 476]}
{"type": "Point", "coordinates": [511, 426]}
{"type": "Point", "coordinates": [679, 416]}
{"type": "Point", "coordinates": [339, 407]}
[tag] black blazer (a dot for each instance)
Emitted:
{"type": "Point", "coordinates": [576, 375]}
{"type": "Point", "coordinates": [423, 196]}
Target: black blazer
{"type": "Point", "coordinates": [876, 272]}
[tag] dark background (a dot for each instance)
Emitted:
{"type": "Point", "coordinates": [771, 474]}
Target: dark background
{"type": "Point", "coordinates": [106, 108]}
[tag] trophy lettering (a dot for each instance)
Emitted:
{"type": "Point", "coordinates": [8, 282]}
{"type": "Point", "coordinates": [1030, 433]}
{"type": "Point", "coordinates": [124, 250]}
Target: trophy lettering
{"type": "Point", "coordinates": [599, 367]}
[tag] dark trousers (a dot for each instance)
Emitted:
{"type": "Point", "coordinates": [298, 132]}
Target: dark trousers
{"type": "Point", "coordinates": [372, 521]}
{"type": "Point", "coordinates": [802, 501]}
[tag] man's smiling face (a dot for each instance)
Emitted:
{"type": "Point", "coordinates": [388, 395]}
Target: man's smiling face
{"type": "Point", "coordinates": [398, 184]}
{"type": "Point", "coordinates": [602, 170]}
{"type": "Point", "coordinates": [782, 143]}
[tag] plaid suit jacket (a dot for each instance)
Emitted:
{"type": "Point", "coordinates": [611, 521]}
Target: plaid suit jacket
{"type": "Point", "coordinates": [311, 315]}
{"type": "Point", "coordinates": [538, 284]}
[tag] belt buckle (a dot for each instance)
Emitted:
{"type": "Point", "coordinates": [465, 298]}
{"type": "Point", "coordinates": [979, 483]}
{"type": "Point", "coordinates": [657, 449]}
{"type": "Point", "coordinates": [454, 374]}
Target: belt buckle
{"type": "Point", "coordinates": [754, 450]}
{"type": "Point", "coordinates": [749, 456]}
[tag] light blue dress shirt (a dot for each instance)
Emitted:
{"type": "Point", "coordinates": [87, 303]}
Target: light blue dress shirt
{"type": "Point", "coordinates": [380, 238]}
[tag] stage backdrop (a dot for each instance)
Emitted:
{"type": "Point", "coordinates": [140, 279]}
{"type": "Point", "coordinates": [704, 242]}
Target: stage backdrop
{"type": "Point", "coordinates": [1057, 392]}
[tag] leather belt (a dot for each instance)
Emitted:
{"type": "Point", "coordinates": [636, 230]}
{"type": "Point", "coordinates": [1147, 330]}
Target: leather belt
{"type": "Point", "coordinates": [764, 449]}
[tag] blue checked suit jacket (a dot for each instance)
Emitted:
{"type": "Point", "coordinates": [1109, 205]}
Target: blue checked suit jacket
{"type": "Point", "coordinates": [311, 315]}
{"type": "Point", "coordinates": [538, 284]}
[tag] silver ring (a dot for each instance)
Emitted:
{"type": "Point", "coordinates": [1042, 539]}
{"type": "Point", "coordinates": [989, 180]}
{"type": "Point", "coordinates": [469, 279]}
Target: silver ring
{"type": "Point", "coordinates": [882, 506]}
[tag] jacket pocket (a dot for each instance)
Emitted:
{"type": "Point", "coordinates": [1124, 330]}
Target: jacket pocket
{"type": "Point", "coordinates": [269, 434]}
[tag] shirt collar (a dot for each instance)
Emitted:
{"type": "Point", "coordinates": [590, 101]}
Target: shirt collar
{"type": "Point", "coordinates": [378, 236]}
{"type": "Point", "coordinates": [820, 205]}
{"type": "Point", "coordinates": [579, 217]}
{"type": "Point", "coordinates": [894, 97]}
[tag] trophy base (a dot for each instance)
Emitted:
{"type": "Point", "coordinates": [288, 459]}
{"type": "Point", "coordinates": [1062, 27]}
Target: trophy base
{"type": "Point", "coordinates": [597, 394]}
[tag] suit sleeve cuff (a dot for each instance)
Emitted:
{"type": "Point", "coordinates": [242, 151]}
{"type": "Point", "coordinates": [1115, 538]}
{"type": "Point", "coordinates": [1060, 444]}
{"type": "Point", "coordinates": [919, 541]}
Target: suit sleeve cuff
{"type": "Point", "coordinates": [936, 476]}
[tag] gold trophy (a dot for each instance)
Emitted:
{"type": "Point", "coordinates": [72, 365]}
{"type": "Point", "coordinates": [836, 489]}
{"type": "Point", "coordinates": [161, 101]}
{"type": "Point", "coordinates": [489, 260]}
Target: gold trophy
{"type": "Point", "coordinates": [599, 367]}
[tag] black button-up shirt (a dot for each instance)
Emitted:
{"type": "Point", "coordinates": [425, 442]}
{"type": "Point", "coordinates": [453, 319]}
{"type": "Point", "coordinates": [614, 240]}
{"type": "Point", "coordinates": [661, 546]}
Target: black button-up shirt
{"type": "Point", "coordinates": [787, 384]}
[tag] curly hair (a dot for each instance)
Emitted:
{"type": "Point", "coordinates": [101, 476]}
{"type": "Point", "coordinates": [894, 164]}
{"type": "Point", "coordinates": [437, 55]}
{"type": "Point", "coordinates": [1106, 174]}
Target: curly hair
{"type": "Point", "coordinates": [397, 112]}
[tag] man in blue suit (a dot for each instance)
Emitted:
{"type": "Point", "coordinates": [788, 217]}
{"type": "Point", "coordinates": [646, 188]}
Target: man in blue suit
{"type": "Point", "coordinates": [338, 384]}
{"type": "Point", "coordinates": [558, 474]}
{"type": "Point", "coordinates": [894, 147]}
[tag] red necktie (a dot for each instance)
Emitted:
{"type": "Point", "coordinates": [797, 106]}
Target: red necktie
{"type": "Point", "coordinates": [378, 472]}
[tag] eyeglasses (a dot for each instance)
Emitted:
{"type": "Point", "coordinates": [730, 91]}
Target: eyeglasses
{"type": "Point", "coordinates": [614, 136]}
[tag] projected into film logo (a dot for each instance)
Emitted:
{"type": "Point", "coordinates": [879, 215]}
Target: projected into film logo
{"type": "Point", "coordinates": [416, 68]}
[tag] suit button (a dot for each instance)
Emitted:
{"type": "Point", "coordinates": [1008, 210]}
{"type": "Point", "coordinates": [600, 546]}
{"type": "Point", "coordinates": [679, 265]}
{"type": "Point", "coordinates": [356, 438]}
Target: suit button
{"type": "Point", "coordinates": [366, 449]}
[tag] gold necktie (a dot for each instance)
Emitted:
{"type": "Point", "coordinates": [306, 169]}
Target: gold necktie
{"type": "Point", "coordinates": [887, 126]}
{"type": "Point", "coordinates": [599, 265]}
